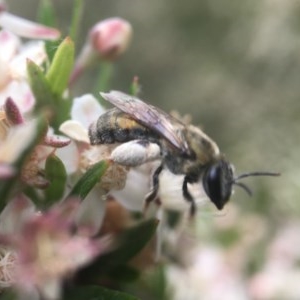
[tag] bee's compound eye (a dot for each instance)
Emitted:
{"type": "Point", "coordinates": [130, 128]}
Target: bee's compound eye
{"type": "Point", "coordinates": [217, 183]}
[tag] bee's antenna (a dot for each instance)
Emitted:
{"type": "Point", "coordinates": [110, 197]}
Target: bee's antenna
{"type": "Point", "coordinates": [244, 186]}
{"type": "Point", "coordinates": [256, 174]}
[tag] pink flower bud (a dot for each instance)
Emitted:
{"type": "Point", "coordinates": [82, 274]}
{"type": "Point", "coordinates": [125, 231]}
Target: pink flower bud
{"type": "Point", "coordinates": [12, 111]}
{"type": "Point", "coordinates": [110, 37]}
{"type": "Point", "coordinates": [107, 40]}
{"type": "Point", "coordinates": [2, 6]}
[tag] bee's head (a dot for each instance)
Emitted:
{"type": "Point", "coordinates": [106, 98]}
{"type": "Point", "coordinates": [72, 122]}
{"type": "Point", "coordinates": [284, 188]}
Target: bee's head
{"type": "Point", "coordinates": [218, 180]}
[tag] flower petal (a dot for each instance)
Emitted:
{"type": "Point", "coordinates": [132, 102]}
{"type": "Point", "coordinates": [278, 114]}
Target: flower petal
{"type": "Point", "coordinates": [51, 288]}
{"type": "Point", "coordinates": [75, 131]}
{"type": "Point", "coordinates": [70, 157]}
{"type": "Point", "coordinates": [136, 188]}
{"type": "Point", "coordinates": [170, 192]}
{"type": "Point", "coordinates": [28, 29]}
{"type": "Point", "coordinates": [21, 93]}
{"type": "Point", "coordinates": [17, 140]}
{"type": "Point", "coordinates": [34, 51]}
{"type": "Point", "coordinates": [15, 213]}
{"type": "Point", "coordinates": [10, 44]}
{"type": "Point", "coordinates": [6, 171]}
{"type": "Point", "coordinates": [86, 109]}
{"type": "Point", "coordinates": [91, 213]}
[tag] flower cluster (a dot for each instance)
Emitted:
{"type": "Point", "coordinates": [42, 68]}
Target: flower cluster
{"type": "Point", "coordinates": [54, 220]}
{"type": "Point", "coordinates": [73, 220]}
{"type": "Point", "coordinates": [66, 205]}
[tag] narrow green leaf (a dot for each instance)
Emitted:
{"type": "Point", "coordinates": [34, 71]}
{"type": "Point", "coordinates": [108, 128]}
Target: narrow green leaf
{"type": "Point", "coordinates": [61, 113]}
{"type": "Point", "coordinates": [57, 176]}
{"type": "Point", "coordinates": [135, 87]}
{"type": "Point", "coordinates": [55, 108]}
{"type": "Point", "coordinates": [156, 283]}
{"type": "Point", "coordinates": [76, 18]}
{"type": "Point", "coordinates": [61, 66]}
{"type": "Point", "coordinates": [104, 78]}
{"type": "Point", "coordinates": [89, 179]}
{"type": "Point", "coordinates": [46, 16]}
{"type": "Point", "coordinates": [130, 243]}
{"type": "Point", "coordinates": [40, 87]}
{"type": "Point", "coordinates": [95, 293]}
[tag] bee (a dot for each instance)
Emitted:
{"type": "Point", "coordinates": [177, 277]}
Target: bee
{"type": "Point", "coordinates": [183, 149]}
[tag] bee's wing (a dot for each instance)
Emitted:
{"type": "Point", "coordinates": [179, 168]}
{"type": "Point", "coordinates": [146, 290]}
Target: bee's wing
{"type": "Point", "coordinates": [150, 116]}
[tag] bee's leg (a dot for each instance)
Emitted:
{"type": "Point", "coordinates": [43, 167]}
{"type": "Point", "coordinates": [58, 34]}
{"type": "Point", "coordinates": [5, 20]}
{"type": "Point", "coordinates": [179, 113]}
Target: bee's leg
{"type": "Point", "coordinates": [188, 197]}
{"type": "Point", "coordinates": [155, 185]}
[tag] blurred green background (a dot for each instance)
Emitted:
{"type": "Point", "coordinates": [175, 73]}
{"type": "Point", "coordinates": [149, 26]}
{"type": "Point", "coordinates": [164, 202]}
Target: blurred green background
{"type": "Point", "coordinates": [233, 65]}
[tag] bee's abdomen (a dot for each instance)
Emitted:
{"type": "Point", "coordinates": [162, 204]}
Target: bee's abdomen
{"type": "Point", "coordinates": [115, 126]}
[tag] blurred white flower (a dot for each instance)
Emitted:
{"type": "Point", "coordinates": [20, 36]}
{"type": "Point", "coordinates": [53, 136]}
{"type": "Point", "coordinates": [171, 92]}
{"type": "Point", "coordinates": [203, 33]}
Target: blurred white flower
{"type": "Point", "coordinates": [41, 244]}
{"type": "Point", "coordinates": [13, 75]}
{"type": "Point", "coordinates": [279, 277]}
{"type": "Point", "coordinates": [209, 277]}
{"type": "Point", "coordinates": [84, 111]}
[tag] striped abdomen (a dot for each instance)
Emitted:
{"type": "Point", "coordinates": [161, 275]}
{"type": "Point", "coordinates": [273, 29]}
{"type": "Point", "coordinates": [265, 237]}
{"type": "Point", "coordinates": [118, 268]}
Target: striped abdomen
{"type": "Point", "coordinates": [115, 126]}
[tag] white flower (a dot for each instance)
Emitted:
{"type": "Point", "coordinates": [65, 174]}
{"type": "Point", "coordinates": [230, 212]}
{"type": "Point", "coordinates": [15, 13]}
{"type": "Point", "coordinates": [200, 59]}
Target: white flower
{"type": "Point", "coordinates": [13, 76]}
{"type": "Point", "coordinates": [280, 275]}
{"type": "Point", "coordinates": [209, 277]}
{"type": "Point", "coordinates": [85, 110]}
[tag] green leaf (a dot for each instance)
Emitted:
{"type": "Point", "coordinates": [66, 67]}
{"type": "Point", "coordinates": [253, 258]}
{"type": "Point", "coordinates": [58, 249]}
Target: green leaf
{"type": "Point", "coordinates": [76, 18]}
{"type": "Point", "coordinates": [40, 87]}
{"type": "Point", "coordinates": [89, 179]}
{"type": "Point", "coordinates": [57, 176]}
{"type": "Point", "coordinates": [135, 87]}
{"type": "Point", "coordinates": [46, 14]}
{"type": "Point", "coordinates": [130, 243]}
{"type": "Point", "coordinates": [155, 283]}
{"type": "Point", "coordinates": [62, 64]}
{"type": "Point", "coordinates": [46, 101]}
{"type": "Point", "coordinates": [34, 196]}
{"type": "Point", "coordinates": [104, 78]}
{"type": "Point", "coordinates": [47, 17]}
{"type": "Point", "coordinates": [124, 273]}
{"type": "Point", "coordinates": [95, 293]}
{"type": "Point", "coordinates": [8, 294]}
{"type": "Point", "coordinates": [61, 113]}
